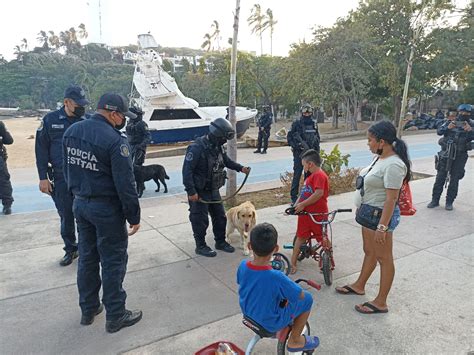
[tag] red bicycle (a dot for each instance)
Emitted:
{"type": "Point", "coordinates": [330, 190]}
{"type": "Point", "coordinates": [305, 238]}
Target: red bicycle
{"type": "Point", "coordinates": [321, 253]}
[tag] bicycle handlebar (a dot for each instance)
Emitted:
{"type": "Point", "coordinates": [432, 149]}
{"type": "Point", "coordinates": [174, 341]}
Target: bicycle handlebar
{"type": "Point", "coordinates": [311, 283]}
{"type": "Point", "coordinates": [330, 215]}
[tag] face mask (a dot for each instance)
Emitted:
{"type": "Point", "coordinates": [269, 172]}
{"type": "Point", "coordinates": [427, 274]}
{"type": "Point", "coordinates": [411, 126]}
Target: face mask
{"type": "Point", "coordinates": [120, 126]}
{"type": "Point", "coordinates": [79, 111]}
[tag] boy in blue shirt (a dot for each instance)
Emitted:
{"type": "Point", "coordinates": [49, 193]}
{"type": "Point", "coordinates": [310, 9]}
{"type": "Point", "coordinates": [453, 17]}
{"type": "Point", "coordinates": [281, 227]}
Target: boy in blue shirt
{"type": "Point", "coordinates": [268, 296]}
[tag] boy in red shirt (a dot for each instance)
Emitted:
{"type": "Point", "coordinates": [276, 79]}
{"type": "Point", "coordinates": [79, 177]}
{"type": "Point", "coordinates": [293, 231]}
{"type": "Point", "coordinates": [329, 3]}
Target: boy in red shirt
{"type": "Point", "coordinates": [314, 199]}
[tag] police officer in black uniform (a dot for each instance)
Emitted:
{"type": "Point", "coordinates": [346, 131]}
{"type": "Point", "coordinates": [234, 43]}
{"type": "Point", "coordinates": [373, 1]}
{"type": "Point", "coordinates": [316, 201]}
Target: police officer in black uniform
{"type": "Point", "coordinates": [203, 176]}
{"type": "Point", "coordinates": [5, 184]}
{"type": "Point", "coordinates": [302, 136]}
{"type": "Point", "coordinates": [451, 160]}
{"type": "Point", "coordinates": [138, 136]}
{"type": "Point", "coordinates": [98, 171]}
{"type": "Point", "coordinates": [48, 149]}
{"type": "Point", "coordinates": [264, 124]}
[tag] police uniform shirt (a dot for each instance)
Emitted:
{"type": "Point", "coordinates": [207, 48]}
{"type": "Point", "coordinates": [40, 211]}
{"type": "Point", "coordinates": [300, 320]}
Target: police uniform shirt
{"type": "Point", "coordinates": [49, 137]}
{"type": "Point", "coordinates": [195, 166]}
{"type": "Point", "coordinates": [265, 120]}
{"type": "Point", "coordinates": [304, 130]}
{"type": "Point", "coordinates": [97, 164]}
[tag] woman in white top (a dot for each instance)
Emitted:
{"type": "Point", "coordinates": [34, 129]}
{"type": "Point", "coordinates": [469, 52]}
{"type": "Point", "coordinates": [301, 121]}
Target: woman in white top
{"type": "Point", "coordinates": [382, 183]}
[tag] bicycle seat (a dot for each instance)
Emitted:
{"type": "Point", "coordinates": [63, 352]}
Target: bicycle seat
{"type": "Point", "coordinates": [257, 328]}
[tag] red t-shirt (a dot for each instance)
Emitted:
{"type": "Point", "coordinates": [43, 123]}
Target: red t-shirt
{"type": "Point", "coordinates": [316, 181]}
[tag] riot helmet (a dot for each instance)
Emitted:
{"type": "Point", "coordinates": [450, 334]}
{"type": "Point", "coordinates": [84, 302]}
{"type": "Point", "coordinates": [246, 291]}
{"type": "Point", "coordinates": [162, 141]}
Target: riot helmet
{"type": "Point", "coordinates": [464, 111]}
{"type": "Point", "coordinates": [221, 130]}
{"type": "Point", "coordinates": [306, 108]}
{"type": "Point", "coordinates": [137, 111]}
{"type": "Point", "coordinates": [266, 108]}
{"type": "Point", "coordinates": [465, 108]}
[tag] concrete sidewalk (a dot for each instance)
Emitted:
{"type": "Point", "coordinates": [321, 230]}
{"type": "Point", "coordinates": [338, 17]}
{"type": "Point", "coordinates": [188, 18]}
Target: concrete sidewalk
{"type": "Point", "coordinates": [190, 301]}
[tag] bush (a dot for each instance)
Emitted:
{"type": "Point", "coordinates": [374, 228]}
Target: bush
{"type": "Point", "coordinates": [334, 164]}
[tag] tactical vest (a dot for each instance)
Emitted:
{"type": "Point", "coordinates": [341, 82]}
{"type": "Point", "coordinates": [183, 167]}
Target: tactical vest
{"type": "Point", "coordinates": [309, 134]}
{"type": "Point", "coordinates": [216, 173]}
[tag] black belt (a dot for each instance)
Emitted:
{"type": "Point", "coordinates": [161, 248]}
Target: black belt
{"type": "Point", "coordinates": [97, 198]}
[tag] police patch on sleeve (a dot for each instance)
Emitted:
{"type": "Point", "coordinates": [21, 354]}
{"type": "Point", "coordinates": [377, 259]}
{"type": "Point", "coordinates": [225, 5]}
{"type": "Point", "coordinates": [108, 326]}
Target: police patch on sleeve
{"type": "Point", "coordinates": [124, 151]}
{"type": "Point", "coordinates": [189, 156]}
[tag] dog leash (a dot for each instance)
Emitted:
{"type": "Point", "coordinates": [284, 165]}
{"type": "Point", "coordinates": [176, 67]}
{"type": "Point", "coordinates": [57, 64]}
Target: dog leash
{"type": "Point", "coordinates": [231, 196]}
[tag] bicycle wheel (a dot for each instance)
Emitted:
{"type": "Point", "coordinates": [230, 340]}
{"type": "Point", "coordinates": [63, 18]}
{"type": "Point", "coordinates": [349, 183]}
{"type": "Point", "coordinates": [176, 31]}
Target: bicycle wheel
{"type": "Point", "coordinates": [304, 250]}
{"type": "Point", "coordinates": [281, 263]}
{"type": "Point", "coordinates": [281, 346]}
{"type": "Point", "coordinates": [327, 271]}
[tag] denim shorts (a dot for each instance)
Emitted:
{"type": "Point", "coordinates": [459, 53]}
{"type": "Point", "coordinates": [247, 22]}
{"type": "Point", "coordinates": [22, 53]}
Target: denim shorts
{"type": "Point", "coordinates": [395, 221]}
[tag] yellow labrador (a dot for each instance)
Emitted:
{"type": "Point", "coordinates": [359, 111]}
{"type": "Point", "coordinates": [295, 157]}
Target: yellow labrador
{"type": "Point", "coordinates": [243, 218]}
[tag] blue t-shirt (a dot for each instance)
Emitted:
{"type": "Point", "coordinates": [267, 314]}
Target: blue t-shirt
{"type": "Point", "coordinates": [261, 289]}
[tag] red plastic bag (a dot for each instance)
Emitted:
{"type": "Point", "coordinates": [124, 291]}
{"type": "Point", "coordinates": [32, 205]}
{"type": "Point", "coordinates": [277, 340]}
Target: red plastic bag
{"type": "Point", "coordinates": [405, 201]}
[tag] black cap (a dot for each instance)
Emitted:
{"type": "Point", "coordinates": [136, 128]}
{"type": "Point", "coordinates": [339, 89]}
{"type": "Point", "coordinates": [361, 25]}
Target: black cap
{"type": "Point", "coordinates": [77, 94]}
{"type": "Point", "coordinates": [115, 102]}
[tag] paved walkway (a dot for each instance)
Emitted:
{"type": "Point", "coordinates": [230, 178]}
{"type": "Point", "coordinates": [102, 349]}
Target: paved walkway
{"type": "Point", "coordinates": [190, 301]}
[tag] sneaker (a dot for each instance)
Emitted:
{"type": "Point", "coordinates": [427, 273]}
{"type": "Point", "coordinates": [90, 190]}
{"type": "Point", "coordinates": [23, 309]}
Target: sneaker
{"type": "Point", "coordinates": [128, 319]}
{"type": "Point", "coordinates": [449, 206]}
{"type": "Point", "coordinates": [224, 246]}
{"type": "Point", "coordinates": [89, 319]}
{"type": "Point", "coordinates": [433, 204]}
{"type": "Point", "coordinates": [7, 210]}
{"type": "Point", "coordinates": [257, 151]}
{"type": "Point", "coordinates": [68, 258]}
{"type": "Point", "coordinates": [204, 250]}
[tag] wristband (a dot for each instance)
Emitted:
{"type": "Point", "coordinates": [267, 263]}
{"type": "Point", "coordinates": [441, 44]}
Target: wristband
{"type": "Point", "coordinates": [382, 228]}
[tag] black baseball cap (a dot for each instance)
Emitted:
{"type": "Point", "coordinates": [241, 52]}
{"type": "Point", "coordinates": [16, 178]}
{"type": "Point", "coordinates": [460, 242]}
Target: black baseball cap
{"type": "Point", "coordinates": [77, 94]}
{"type": "Point", "coordinates": [115, 102]}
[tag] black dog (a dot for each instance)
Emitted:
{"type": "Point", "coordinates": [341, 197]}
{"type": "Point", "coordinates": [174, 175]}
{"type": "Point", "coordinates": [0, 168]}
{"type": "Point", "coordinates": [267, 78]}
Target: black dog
{"type": "Point", "coordinates": [147, 172]}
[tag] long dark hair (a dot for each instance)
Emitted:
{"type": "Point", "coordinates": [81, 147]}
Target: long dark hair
{"type": "Point", "coordinates": [386, 130]}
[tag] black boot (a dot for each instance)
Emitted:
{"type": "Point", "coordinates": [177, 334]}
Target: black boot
{"type": "Point", "coordinates": [128, 319]}
{"type": "Point", "coordinates": [68, 258]}
{"type": "Point", "coordinates": [88, 319]}
{"type": "Point", "coordinates": [204, 250]}
{"type": "Point", "coordinates": [264, 151]}
{"type": "Point", "coordinates": [433, 204]}
{"type": "Point", "coordinates": [7, 210]}
{"type": "Point", "coordinates": [448, 206]}
{"type": "Point", "coordinates": [257, 151]}
{"type": "Point", "coordinates": [224, 246]}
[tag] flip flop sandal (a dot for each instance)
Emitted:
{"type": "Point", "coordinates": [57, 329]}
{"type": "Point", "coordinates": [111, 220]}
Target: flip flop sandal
{"type": "Point", "coordinates": [370, 306]}
{"type": "Point", "coordinates": [311, 343]}
{"type": "Point", "coordinates": [350, 291]}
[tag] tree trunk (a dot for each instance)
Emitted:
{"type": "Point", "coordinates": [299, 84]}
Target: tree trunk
{"type": "Point", "coordinates": [376, 111]}
{"type": "Point", "coordinates": [232, 144]}
{"type": "Point", "coordinates": [335, 116]}
{"type": "Point", "coordinates": [397, 104]}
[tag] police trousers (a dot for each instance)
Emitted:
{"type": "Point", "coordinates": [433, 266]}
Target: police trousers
{"type": "Point", "coordinates": [6, 190]}
{"type": "Point", "coordinates": [297, 171]}
{"type": "Point", "coordinates": [456, 173]}
{"type": "Point", "coordinates": [263, 137]}
{"type": "Point", "coordinates": [103, 240]}
{"type": "Point", "coordinates": [63, 200]}
{"type": "Point", "coordinates": [198, 215]}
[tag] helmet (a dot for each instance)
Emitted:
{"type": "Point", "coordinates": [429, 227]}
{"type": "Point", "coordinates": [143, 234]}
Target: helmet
{"type": "Point", "coordinates": [306, 108]}
{"type": "Point", "coordinates": [266, 108]}
{"type": "Point", "coordinates": [465, 108]}
{"type": "Point", "coordinates": [137, 111]}
{"type": "Point", "coordinates": [221, 128]}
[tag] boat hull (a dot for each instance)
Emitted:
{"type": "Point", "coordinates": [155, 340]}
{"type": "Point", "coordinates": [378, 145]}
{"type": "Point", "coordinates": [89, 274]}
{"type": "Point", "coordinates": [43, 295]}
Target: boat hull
{"type": "Point", "coordinates": [191, 133]}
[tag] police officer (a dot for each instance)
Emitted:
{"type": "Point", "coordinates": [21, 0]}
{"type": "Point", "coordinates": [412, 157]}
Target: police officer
{"type": "Point", "coordinates": [49, 163]}
{"type": "Point", "coordinates": [138, 136]}
{"type": "Point", "coordinates": [264, 124]}
{"type": "Point", "coordinates": [5, 184]}
{"type": "Point", "coordinates": [203, 176]}
{"type": "Point", "coordinates": [302, 136]}
{"type": "Point", "coordinates": [451, 160]}
{"type": "Point", "coordinates": [98, 171]}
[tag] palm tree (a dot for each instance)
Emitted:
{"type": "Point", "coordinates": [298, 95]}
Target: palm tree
{"type": "Point", "coordinates": [216, 34]}
{"type": "Point", "coordinates": [24, 44]}
{"type": "Point", "coordinates": [18, 52]}
{"type": "Point", "coordinates": [207, 42]}
{"type": "Point", "coordinates": [43, 39]}
{"type": "Point", "coordinates": [54, 40]}
{"type": "Point", "coordinates": [83, 34]}
{"type": "Point", "coordinates": [256, 20]}
{"type": "Point", "coordinates": [270, 23]}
